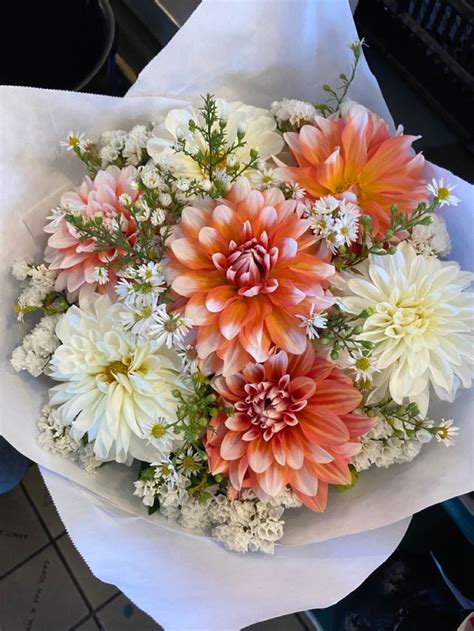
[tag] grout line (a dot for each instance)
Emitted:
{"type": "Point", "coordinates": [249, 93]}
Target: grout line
{"type": "Point", "coordinates": [106, 602]}
{"type": "Point", "coordinates": [82, 621]}
{"type": "Point", "coordinates": [54, 543]}
{"type": "Point", "coordinates": [28, 558]}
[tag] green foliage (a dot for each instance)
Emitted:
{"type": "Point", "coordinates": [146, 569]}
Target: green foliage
{"type": "Point", "coordinates": [338, 94]}
{"type": "Point", "coordinates": [342, 333]}
{"type": "Point", "coordinates": [369, 244]}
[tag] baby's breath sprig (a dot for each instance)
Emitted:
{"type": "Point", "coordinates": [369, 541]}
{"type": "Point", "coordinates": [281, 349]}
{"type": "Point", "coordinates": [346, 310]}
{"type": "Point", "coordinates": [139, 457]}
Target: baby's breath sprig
{"type": "Point", "coordinates": [399, 222]}
{"type": "Point", "coordinates": [342, 334]}
{"type": "Point", "coordinates": [337, 95]}
{"type": "Point", "coordinates": [54, 303]}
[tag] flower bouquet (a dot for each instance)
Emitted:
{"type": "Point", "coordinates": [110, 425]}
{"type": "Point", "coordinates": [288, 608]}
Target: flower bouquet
{"type": "Point", "coordinates": [251, 310]}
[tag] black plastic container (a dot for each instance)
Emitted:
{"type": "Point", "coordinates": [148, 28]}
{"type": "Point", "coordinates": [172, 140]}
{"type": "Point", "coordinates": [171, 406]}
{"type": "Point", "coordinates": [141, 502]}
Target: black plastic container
{"type": "Point", "coordinates": [62, 44]}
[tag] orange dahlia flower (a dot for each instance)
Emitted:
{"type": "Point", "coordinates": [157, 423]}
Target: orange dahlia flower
{"type": "Point", "coordinates": [293, 424]}
{"type": "Point", "coordinates": [247, 267]}
{"type": "Point", "coordinates": [356, 155]}
{"type": "Point", "coordinates": [76, 259]}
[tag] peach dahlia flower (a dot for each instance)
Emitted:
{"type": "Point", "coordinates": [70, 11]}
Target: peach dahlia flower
{"type": "Point", "coordinates": [293, 424]}
{"type": "Point", "coordinates": [355, 156]}
{"type": "Point", "coordinates": [76, 260]}
{"type": "Point", "coordinates": [247, 267]}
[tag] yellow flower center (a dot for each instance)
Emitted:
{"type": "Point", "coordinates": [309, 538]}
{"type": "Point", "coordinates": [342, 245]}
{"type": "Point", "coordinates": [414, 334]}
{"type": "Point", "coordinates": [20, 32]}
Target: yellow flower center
{"type": "Point", "coordinates": [114, 369]}
{"type": "Point", "coordinates": [158, 430]}
{"type": "Point", "coordinates": [189, 463]}
{"type": "Point", "coordinates": [443, 193]}
{"type": "Point", "coordinates": [73, 141]}
{"type": "Point", "coordinates": [362, 363]}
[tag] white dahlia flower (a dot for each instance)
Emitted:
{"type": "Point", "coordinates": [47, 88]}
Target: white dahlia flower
{"type": "Point", "coordinates": [421, 324]}
{"type": "Point", "coordinates": [256, 125]}
{"type": "Point", "coordinates": [113, 383]}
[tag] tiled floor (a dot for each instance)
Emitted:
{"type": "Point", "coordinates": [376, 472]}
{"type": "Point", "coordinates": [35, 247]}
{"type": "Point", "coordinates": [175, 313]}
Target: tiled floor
{"type": "Point", "coordinates": [40, 567]}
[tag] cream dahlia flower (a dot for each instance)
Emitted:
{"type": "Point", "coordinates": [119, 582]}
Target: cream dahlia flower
{"type": "Point", "coordinates": [257, 125]}
{"type": "Point", "coordinates": [421, 324]}
{"type": "Point", "coordinates": [113, 384]}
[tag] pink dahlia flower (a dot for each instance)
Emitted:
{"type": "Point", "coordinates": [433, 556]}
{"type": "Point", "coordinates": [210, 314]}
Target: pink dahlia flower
{"type": "Point", "coordinates": [357, 158]}
{"type": "Point", "coordinates": [76, 260]}
{"type": "Point", "coordinates": [247, 267]}
{"type": "Point", "coordinates": [293, 424]}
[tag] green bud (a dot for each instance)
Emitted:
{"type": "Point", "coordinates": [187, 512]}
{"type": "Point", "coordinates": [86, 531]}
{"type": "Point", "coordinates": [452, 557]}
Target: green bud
{"type": "Point", "coordinates": [325, 340]}
{"type": "Point", "coordinates": [426, 221]}
{"type": "Point", "coordinates": [334, 354]}
{"type": "Point", "coordinates": [391, 250]}
{"type": "Point", "coordinates": [343, 76]}
{"type": "Point", "coordinates": [389, 234]}
{"type": "Point", "coordinates": [357, 330]}
{"type": "Point", "coordinates": [253, 154]}
{"type": "Point", "coordinates": [366, 220]}
{"type": "Point", "coordinates": [366, 344]}
{"type": "Point", "coordinates": [394, 209]}
{"type": "Point", "coordinates": [327, 88]}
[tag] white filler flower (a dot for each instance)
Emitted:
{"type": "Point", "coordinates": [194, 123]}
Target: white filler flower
{"type": "Point", "coordinates": [421, 324]}
{"type": "Point", "coordinates": [114, 384]}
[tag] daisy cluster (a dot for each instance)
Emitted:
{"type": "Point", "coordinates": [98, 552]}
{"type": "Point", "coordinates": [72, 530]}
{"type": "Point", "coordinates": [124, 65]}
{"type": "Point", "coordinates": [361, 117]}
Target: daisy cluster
{"type": "Point", "coordinates": [252, 304]}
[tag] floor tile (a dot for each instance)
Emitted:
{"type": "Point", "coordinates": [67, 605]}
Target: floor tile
{"type": "Point", "coordinates": [88, 625]}
{"type": "Point", "coordinates": [284, 623]}
{"type": "Point", "coordinates": [21, 533]}
{"type": "Point", "coordinates": [40, 595]}
{"type": "Point", "coordinates": [123, 615]}
{"type": "Point", "coordinates": [95, 590]}
{"type": "Point", "coordinates": [38, 492]}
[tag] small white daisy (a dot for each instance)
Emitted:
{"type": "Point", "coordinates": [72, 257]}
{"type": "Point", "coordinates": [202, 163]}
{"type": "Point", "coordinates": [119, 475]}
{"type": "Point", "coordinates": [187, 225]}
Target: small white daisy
{"type": "Point", "coordinates": [326, 205]}
{"type": "Point", "coordinates": [446, 432]}
{"type": "Point", "coordinates": [138, 315]}
{"type": "Point", "coordinates": [363, 366]}
{"type": "Point", "coordinates": [266, 178]}
{"type": "Point", "coordinates": [188, 462]}
{"type": "Point", "coordinates": [73, 140]}
{"type": "Point", "coordinates": [151, 273]}
{"type": "Point", "coordinates": [101, 275]}
{"type": "Point", "coordinates": [169, 328]}
{"type": "Point", "coordinates": [296, 191]}
{"type": "Point", "coordinates": [56, 216]}
{"type": "Point", "coordinates": [189, 358]}
{"type": "Point", "coordinates": [313, 322]}
{"type": "Point", "coordinates": [125, 289]}
{"type": "Point", "coordinates": [443, 192]}
{"type": "Point", "coordinates": [157, 217]}
{"type": "Point", "coordinates": [165, 469]}
{"type": "Point", "coordinates": [159, 434]}
{"type": "Point", "coordinates": [346, 229]}
{"type": "Point", "coordinates": [322, 225]}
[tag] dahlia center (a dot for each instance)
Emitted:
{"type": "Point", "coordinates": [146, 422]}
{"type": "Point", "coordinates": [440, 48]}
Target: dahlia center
{"type": "Point", "coordinates": [270, 406]}
{"type": "Point", "coordinates": [248, 264]}
{"type": "Point", "coordinates": [408, 319]}
{"type": "Point", "coordinates": [116, 367]}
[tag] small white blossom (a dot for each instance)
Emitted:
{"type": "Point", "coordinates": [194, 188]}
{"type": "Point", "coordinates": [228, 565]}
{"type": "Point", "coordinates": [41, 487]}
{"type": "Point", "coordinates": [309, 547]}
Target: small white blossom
{"type": "Point", "coordinates": [189, 358]}
{"type": "Point", "coordinates": [432, 239]}
{"type": "Point", "coordinates": [169, 328]}
{"type": "Point", "coordinates": [446, 432]}
{"type": "Point", "coordinates": [37, 347]}
{"type": "Point", "coordinates": [56, 438]}
{"type": "Point", "coordinates": [75, 140]}
{"type": "Point", "coordinates": [188, 462]}
{"type": "Point", "coordinates": [21, 268]}
{"type": "Point", "coordinates": [101, 275]}
{"type": "Point", "coordinates": [265, 178]}
{"type": "Point", "coordinates": [125, 199]}
{"type": "Point", "coordinates": [157, 217]}
{"type": "Point", "coordinates": [313, 322]}
{"type": "Point", "coordinates": [362, 365]}
{"type": "Point", "coordinates": [165, 199]}
{"type": "Point", "coordinates": [443, 192]}
{"type": "Point", "coordinates": [325, 205]}
{"type": "Point", "coordinates": [158, 433]}
{"type": "Point", "coordinates": [297, 113]}
{"type": "Point", "coordinates": [138, 315]}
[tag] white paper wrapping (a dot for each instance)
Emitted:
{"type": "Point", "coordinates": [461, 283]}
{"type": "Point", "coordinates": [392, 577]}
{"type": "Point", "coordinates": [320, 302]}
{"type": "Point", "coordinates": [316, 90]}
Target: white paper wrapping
{"type": "Point", "coordinates": [254, 51]}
